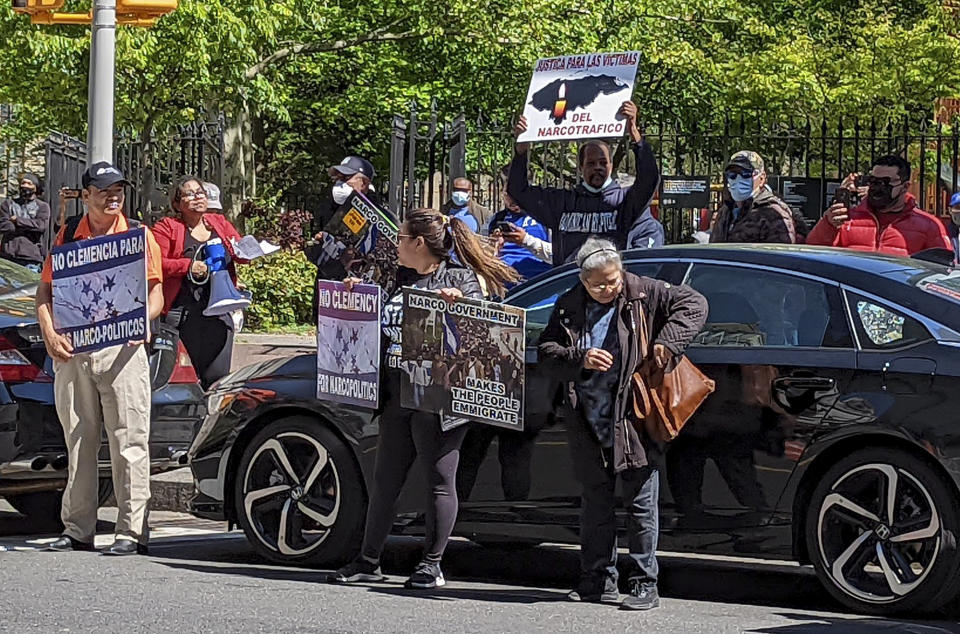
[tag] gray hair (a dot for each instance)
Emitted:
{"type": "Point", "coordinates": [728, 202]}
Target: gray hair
{"type": "Point", "coordinates": [597, 254]}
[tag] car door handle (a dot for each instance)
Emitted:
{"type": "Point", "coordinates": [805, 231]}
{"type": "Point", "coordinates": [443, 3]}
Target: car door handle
{"type": "Point", "coordinates": [805, 383]}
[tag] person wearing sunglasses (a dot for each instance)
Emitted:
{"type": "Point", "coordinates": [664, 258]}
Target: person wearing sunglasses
{"type": "Point", "coordinates": [887, 220]}
{"type": "Point", "coordinates": [208, 340]}
{"type": "Point", "coordinates": [750, 211]}
{"type": "Point", "coordinates": [592, 345]}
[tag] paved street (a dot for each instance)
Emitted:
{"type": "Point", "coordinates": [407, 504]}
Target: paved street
{"type": "Point", "coordinates": [198, 578]}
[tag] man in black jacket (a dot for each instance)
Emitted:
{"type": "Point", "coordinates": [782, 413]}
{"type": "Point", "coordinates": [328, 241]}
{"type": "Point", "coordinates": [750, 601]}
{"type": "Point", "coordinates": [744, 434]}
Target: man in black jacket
{"type": "Point", "coordinates": [598, 205]}
{"type": "Point", "coordinates": [23, 223]}
{"type": "Point", "coordinates": [592, 344]}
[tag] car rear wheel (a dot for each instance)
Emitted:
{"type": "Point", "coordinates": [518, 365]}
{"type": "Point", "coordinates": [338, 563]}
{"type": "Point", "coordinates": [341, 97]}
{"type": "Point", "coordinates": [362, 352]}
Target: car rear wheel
{"type": "Point", "coordinates": [882, 533]}
{"type": "Point", "coordinates": [42, 507]}
{"type": "Point", "coordinates": [299, 495]}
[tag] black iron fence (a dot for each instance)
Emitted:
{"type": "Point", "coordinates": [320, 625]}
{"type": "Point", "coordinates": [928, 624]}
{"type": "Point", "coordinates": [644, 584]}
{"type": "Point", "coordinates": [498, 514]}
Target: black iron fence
{"type": "Point", "coordinates": [805, 159]}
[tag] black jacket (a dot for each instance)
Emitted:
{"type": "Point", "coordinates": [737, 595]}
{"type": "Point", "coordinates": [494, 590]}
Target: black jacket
{"type": "Point", "coordinates": [765, 219]}
{"type": "Point", "coordinates": [674, 316]}
{"type": "Point", "coordinates": [448, 275]}
{"type": "Point", "coordinates": [22, 240]}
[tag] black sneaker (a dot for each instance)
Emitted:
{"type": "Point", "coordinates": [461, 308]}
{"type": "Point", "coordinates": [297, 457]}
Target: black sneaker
{"type": "Point", "coordinates": [427, 575]}
{"type": "Point", "coordinates": [357, 572]}
{"type": "Point", "coordinates": [643, 596]}
{"type": "Point", "coordinates": [595, 591]}
{"type": "Point", "coordinates": [66, 543]}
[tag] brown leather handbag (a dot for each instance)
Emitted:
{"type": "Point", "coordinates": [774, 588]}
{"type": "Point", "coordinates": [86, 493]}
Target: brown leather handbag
{"type": "Point", "coordinates": [665, 399]}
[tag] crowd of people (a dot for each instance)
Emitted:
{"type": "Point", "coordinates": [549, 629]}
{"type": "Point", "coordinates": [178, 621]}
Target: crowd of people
{"type": "Point", "coordinates": [591, 344]}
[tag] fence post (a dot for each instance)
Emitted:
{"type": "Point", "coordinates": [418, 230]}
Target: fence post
{"type": "Point", "coordinates": [397, 141]}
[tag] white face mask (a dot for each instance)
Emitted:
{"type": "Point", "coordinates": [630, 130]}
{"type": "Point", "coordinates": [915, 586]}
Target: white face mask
{"type": "Point", "coordinates": [955, 216]}
{"type": "Point", "coordinates": [341, 191]}
{"type": "Point", "coordinates": [596, 190]}
{"type": "Point", "coordinates": [460, 199]}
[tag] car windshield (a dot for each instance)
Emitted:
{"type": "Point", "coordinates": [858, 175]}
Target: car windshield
{"type": "Point", "coordinates": [15, 279]}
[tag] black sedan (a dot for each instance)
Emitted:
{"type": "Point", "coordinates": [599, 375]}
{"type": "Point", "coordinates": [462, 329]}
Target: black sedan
{"type": "Point", "coordinates": [33, 457]}
{"type": "Point", "coordinates": [832, 437]}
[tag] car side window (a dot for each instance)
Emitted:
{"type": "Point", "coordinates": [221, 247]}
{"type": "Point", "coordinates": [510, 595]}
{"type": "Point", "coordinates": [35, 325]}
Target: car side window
{"type": "Point", "coordinates": [758, 307]}
{"type": "Point", "coordinates": [881, 327]}
{"type": "Point", "coordinates": [539, 302]}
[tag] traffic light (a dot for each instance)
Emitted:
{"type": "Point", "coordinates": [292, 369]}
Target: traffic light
{"type": "Point", "coordinates": [37, 6]}
{"type": "Point", "coordinates": [144, 9]}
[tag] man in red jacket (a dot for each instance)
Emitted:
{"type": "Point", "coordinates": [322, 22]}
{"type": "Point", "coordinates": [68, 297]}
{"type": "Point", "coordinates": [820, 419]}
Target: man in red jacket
{"type": "Point", "coordinates": [887, 221]}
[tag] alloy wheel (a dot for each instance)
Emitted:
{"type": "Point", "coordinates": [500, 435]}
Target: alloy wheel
{"type": "Point", "coordinates": [291, 493]}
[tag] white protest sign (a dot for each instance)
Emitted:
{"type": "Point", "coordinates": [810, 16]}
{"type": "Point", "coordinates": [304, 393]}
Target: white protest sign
{"type": "Point", "coordinates": [578, 96]}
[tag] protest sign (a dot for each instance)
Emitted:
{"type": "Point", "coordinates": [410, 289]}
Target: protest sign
{"type": "Point", "coordinates": [462, 360]}
{"type": "Point", "coordinates": [578, 96]}
{"type": "Point", "coordinates": [361, 241]}
{"type": "Point", "coordinates": [100, 290]}
{"type": "Point", "coordinates": [348, 343]}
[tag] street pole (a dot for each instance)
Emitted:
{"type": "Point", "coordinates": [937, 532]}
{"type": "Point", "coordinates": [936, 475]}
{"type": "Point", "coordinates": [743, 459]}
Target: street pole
{"type": "Point", "coordinates": [100, 91]}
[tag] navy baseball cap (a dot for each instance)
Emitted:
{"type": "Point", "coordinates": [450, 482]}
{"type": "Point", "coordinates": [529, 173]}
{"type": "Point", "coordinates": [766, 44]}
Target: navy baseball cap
{"type": "Point", "coordinates": [955, 200]}
{"type": "Point", "coordinates": [353, 165]}
{"type": "Point", "coordinates": [102, 175]}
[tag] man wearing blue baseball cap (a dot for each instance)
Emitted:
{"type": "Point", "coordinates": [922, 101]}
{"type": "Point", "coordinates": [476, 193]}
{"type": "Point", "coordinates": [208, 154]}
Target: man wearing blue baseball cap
{"type": "Point", "coordinates": [953, 227]}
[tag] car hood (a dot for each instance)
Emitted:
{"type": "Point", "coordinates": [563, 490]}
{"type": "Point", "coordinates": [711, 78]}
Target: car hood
{"type": "Point", "coordinates": [18, 309]}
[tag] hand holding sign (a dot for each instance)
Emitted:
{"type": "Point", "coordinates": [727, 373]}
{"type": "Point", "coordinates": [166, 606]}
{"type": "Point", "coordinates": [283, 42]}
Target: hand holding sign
{"type": "Point", "coordinates": [519, 130]}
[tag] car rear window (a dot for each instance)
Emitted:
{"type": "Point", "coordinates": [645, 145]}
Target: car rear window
{"type": "Point", "coordinates": [945, 285]}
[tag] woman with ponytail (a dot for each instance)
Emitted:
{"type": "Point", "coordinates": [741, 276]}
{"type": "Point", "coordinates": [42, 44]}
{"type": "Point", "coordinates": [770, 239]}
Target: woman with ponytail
{"type": "Point", "coordinates": [426, 240]}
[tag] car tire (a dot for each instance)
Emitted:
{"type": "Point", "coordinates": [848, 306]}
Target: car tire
{"type": "Point", "coordinates": [299, 494]}
{"type": "Point", "coordinates": [882, 533]}
{"type": "Point", "coordinates": [42, 507]}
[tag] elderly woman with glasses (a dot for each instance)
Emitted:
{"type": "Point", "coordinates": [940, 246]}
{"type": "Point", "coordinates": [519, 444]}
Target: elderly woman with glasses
{"type": "Point", "coordinates": [592, 344]}
{"type": "Point", "coordinates": [208, 340]}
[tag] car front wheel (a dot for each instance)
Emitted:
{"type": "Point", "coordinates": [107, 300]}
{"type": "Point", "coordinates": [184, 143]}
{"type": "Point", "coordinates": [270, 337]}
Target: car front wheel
{"type": "Point", "coordinates": [299, 495]}
{"type": "Point", "coordinates": [882, 533]}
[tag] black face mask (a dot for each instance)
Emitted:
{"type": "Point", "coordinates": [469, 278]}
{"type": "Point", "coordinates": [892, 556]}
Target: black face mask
{"type": "Point", "coordinates": [27, 193]}
{"type": "Point", "coordinates": [880, 197]}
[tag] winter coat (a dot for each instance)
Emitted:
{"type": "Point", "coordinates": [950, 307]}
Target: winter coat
{"type": "Point", "coordinates": [22, 240]}
{"type": "Point", "coordinates": [764, 219]}
{"type": "Point", "coordinates": [674, 316]}
{"type": "Point", "coordinates": [912, 231]}
{"type": "Point", "coordinates": [647, 232]}
{"type": "Point", "coordinates": [575, 214]}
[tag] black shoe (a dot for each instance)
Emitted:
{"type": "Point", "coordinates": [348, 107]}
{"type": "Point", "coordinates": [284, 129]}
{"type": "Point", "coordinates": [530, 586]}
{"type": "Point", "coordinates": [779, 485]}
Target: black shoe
{"type": "Point", "coordinates": [426, 576]}
{"type": "Point", "coordinates": [66, 543]}
{"type": "Point", "coordinates": [357, 572]}
{"type": "Point", "coordinates": [643, 596]}
{"type": "Point", "coordinates": [123, 547]}
{"type": "Point", "coordinates": [594, 591]}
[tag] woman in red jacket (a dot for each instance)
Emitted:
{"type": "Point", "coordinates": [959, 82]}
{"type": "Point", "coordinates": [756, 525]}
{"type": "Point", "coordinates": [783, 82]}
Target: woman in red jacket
{"type": "Point", "coordinates": [208, 340]}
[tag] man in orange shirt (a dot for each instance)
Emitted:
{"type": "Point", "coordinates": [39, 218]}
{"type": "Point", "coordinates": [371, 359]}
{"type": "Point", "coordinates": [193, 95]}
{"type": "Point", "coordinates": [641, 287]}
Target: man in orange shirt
{"type": "Point", "coordinates": [108, 387]}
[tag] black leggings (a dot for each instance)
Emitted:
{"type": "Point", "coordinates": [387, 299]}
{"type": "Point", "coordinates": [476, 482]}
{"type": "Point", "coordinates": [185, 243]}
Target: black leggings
{"type": "Point", "coordinates": [209, 342]}
{"type": "Point", "coordinates": [407, 435]}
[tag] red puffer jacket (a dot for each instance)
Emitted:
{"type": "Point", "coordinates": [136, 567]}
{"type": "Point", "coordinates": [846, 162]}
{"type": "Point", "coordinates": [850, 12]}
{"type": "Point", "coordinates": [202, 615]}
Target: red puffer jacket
{"type": "Point", "coordinates": [170, 234]}
{"type": "Point", "coordinates": [913, 231]}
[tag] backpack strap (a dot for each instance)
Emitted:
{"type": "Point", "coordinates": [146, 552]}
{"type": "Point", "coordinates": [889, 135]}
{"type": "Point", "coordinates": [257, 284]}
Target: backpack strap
{"type": "Point", "coordinates": [70, 229]}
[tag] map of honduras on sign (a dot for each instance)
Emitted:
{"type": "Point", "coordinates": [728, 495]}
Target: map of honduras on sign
{"type": "Point", "coordinates": [578, 96]}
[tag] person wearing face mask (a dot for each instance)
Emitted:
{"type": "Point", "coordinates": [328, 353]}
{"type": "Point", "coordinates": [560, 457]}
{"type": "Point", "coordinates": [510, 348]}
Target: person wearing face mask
{"type": "Point", "coordinates": [462, 205]}
{"type": "Point", "coordinates": [887, 220]}
{"type": "Point", "coordinates": [107, 388]}
{"type": "Point", "coordinates": [596, 206]}
{"type": "Point", "coordinates": [750, 211]}
{"type": "Point", "coordinates": [591, 343]}
{"type": "Point", "coordinates": [23, 222]}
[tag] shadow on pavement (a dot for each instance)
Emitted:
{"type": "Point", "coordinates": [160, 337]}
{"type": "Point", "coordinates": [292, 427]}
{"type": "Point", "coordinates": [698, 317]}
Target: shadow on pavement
{"type": "Point", "coordinates": [825, 625]}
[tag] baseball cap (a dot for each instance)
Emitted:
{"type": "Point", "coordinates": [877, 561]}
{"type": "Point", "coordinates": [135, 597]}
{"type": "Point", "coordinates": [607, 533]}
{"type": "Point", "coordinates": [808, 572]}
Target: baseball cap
{"type": "Point", "coordinates": [746, 159]}
{"type": "Point", "coordinates": [213, 196]}
{"type": "Point", "coordinates": [955, 200]}
{"type": "Point", "coordinates": [352, 165]}
{"type": "Point", "coordinates": [102, 175]}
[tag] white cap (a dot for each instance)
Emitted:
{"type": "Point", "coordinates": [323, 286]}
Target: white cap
{"type": "Point", "coordinates": [213, 196]}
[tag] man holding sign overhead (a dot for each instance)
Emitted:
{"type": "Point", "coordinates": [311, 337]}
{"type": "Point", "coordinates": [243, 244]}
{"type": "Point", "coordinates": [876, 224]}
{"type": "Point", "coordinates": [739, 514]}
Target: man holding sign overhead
{"type": "Point", "coordinates": [102, 371]}
{"type": "Point", "coordinates": [583, 97]}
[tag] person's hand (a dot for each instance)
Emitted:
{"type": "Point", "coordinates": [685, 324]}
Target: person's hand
{"type": "Point", "coordinates": [628, 110]}
{"type": "Point", "coordinates": [850, 182]}
{"type": "Point", "coordinates": [451, 295]}
{"type": "Point", "coordinates": [13, 218]}
{"type": "Point", "coordinates": [58, 346]}
{"type": "Point", "coordinates": [515, 235]}
{"type": "Point", "coordinates": [520, 128]}
{"type": "Point", "coordinates": [837, 214]}
{"type": "Point", "coordinates": [199, 269]}
{"type": "Point", "coordinates": [661, 355]}
{"type": "Point", "coordinates": [350, 282]}
{"type": "Point", "coordinates": [597, 359]}
{"type": "Point", "coordinates": [320, 236]}
{"type": "Point", "coordinates": [496, 240]}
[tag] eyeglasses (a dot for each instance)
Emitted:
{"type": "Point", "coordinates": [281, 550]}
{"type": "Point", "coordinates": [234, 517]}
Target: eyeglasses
{"type": "Point", "coordinates": [191, 195]}
{"type": "Point", "coordinates": [876, 181]}
{"type": "Point", "coordinates": [735, 174]}
{"type": "Point", "coordinates": [602, 288]}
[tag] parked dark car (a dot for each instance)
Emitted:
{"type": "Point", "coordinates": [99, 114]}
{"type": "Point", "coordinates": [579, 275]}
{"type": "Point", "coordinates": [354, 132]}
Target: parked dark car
{"type": "Point", "coordinates": [33, 457]}
{"type": "Point", "coordinates": [833, 436]}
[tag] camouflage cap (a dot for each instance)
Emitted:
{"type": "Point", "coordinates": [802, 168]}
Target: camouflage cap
{"type": "Point", "coordinates": [747, 159]}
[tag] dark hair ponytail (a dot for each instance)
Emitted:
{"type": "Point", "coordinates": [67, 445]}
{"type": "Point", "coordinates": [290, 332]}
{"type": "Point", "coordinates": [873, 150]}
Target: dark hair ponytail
{"type": "Point", "coordinates": [442, 234]}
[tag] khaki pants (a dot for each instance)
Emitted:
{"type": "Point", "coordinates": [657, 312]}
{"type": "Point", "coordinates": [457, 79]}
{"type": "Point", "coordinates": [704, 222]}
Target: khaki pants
{"type": "Point", "coordinates": [109, 387]}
